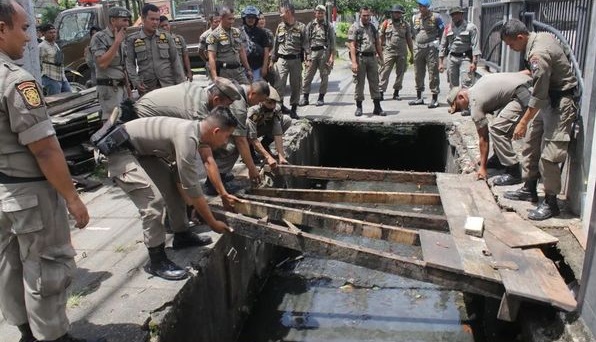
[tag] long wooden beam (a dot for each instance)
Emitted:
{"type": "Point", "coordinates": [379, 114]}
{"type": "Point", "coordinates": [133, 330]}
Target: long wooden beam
{"type": "Point", "coordinates": [352, 196]}
{"type": "Point", "coordinates": [332, 173]}
{"type": "Point", "coordinates": [338, 224]}
{"type": "Point", "coordinates": [357, 255]}
{"type": "Point", "coordinates": [374, 215]}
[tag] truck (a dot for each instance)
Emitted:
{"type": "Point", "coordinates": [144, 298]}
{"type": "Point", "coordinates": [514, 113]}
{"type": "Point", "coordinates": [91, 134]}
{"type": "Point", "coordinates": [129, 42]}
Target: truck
{"type": "Point", "coordinates": [188, 21]}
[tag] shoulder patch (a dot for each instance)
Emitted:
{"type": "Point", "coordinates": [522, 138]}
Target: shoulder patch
{"type": "Point", "coordinates": [139, 42]}
{"type": "Point", "coordinates": [534, 63]}
{"type": "Point", "coordinates": [30, 94]}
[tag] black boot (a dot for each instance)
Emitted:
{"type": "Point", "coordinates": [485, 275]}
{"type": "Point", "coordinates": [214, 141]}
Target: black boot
{"type": "Point", "coordinates": [419, 100]}
{"type": "Point", "coordinates": [358, 108]}
{"type": "Point", "coordinates": [494, 163]}
{"type": "Point", "coordinates": [321, 100]}
{"type": "Point", "coordinates": [511, 176]}
{"type": "Point", "coordinates": [68, 338]}
{"type": "Point", "coordinates": [382, 96]}
{"type": "Point", "coordinates": [159, 265]}
{"type": "Point", "coordinates": [378, 110]}
{"type": "Point", "coordinates": [284, 109]}
{"type": "Point", "coordinates": [293, 113]}
{"type": "Point", "coordinates": [525, 193]}
{"type": "Point", "coordinates": [26, 334]}
{"type": "Point", "coordinates": [304, 100]}
{"type": "Point", "coordinates": [435, 102]}
{"type": "Point", "coordinates": [547, 209]}
{"type": "Point", "coordinates": [189, 239]}
{"type": "Point", "coordinates": [396, 95]}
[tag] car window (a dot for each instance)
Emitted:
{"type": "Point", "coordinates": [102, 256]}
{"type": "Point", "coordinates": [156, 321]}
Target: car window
{"type": "Point", "coordinates": [74, 26]}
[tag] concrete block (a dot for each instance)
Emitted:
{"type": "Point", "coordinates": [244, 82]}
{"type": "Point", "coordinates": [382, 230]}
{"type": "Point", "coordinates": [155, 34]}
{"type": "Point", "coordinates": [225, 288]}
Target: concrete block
{"type": "Point", "coordinates": [474, 226]}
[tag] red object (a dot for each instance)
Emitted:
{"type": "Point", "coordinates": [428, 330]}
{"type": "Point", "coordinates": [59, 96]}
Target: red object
{"type": "Point", "coordinates": [88, 2]}
{"type": "Point", "coordinates": [334, 14]}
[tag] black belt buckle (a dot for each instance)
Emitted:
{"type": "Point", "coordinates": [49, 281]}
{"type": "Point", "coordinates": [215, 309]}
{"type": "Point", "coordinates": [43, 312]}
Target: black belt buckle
{"type": "Point", "coordinates": [318, 48]}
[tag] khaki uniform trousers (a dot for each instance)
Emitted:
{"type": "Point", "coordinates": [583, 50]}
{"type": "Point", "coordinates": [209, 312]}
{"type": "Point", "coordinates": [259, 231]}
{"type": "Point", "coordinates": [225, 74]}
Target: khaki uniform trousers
{"type": "Point", "coordinates": [368, 68]}
{"type": "Point", "coordinates": [237, 75]}
{"type": "Point", "coordinates": [501, 132]}
{"type": "Point", "coordinates": [426, 58]}
{"type": "Point", "coordinates": [148, 182]}
{"type": "Point", "coordinates": [110, 97]}
{"type": "Point", "coordinates": [317, 63]}
{"type": "Point", "coordinates": [293, 69]}
{"type": "Point", "coordinates": [36, 258]}
{"type": "Point", "coordinates": [458, 72]}
{"type": "Point", "coordinates": [546, 144]}
{"type": "Point", "coordinates": [391, 58]}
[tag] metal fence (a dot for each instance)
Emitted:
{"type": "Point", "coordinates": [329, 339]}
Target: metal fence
{"type": "Point", "coordinates": [493, 14]}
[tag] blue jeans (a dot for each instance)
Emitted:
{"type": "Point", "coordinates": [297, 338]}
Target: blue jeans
{"type": "Point", "coordinates": [256, 74]}
{"type": "Point", "coordinates": [52, 87]}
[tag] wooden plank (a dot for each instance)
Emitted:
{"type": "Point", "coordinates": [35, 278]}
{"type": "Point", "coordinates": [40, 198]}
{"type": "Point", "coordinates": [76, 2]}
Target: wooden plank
{"type": "Point", "coordinates": [507, 227]}
{"type": "Point", "coordinates": [332, 173]}
{"type": "Point", "coordinates": [439, 249]}
{"type": "Point", "coordinates": [330, 222]}
{"type": "Point", "coordinates": [373, 215]}
{"type": "Point", "coordinates": [357, 255]}
{"type": "Point", "coordinates": [508, 308]}
{"type": "Point", "coordinates": [351, 196]}
{"type": "Point", "coordinates": [458, 204]}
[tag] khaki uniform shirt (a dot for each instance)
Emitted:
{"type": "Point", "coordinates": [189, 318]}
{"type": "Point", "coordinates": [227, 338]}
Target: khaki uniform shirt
{"type": "Point", "coordinates": [364, 36]}
{"type": "Point", "coordinates": [100, 44]}
{"type": "Point", "coordinates": [203, 40]}
{"type": "Point", "coordinates": [180, 46]}
{"type": "Point", "coordinates": [260, 117]}
{"type": "Point", "coordinates": [290, 39]}
{"type": "Point", "coordinates": [396, 34]}
{"type": "Point", "coordinates": [173, 139]}
{"type": "Point", "coordinates": [428, 29]}
{"type": "Point", "coordinates": [551, 69]}
{"type": "Point", "coordinates": [225, 44]}
{"type": "Point", "coordinates": [239, 109]}
{"type": "Point", "coordinates": [23, 120]}
{"type": "Point", "coordinates": [460, 39]}
{"type": "Point", "coordinates": [186, 100]}
{"type": "Point", "coordinates": [155, 56]}
{"type": "Point", "coordinates": [493, 92]}
{"type": "Point", "coordinates": [320, 35]}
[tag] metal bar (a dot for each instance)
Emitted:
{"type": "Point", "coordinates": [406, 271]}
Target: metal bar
{"type": "Point", "coordinates": [352, 196]}
{"type": "Point", "coordinates": [336, 223]}
{"type": "Point", "coordinates": [357, 255]}
{"type": "Point", "coordinates": [384, 216]}
{"type": "Point", "coordinates": [332, 173]}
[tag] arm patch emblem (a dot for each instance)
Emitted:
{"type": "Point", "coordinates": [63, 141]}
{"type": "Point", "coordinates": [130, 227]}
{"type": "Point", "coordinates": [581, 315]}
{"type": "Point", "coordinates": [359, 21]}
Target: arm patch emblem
{"type": "Point", "coordinates": [30, 94]}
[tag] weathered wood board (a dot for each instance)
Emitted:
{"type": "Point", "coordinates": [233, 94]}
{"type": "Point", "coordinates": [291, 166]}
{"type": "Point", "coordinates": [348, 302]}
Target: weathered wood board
{"type": "Point", "coordinates": [351, 196]}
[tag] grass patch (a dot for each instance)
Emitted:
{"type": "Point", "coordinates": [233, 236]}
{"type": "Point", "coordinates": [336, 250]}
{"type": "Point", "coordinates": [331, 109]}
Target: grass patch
{"type": "Point", "coordinates": [75, 300]}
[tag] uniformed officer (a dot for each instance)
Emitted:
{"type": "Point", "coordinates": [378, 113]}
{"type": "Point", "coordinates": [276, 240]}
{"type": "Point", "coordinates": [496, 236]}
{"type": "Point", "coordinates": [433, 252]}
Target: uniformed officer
{"type": "Point", "coordinates": [36, 191]}
{"type": "Point", "coordinates": [227, 56]}
{"type": "Point", "coordinates": [158, 143]}
{"type": "Point", "coordinates": [258, 44]}
{"type": "Point", "coordinates": [507, 92]}
{"type": "Point", "coordinates": [108, 51]}
{"type": "Point", "coordinates": [396, 39]}
{"type": "Point", "coordinates": [154, 53]}
{"type": "Point", "coordinates": [364, 42]}
{"type": "Point", "coordinates": [553, 110]}
{"type": "Point", "coordinates": [289, 45]}
{"type": "Point", "coordinates": [90, 59]}
{"type": "Point", "coordinates": [320, 55]}
{"type": "Point", "coordinates": [266, 120]}
{"type": "Point", "coordinates": [164, 25]}
{"type": "Point", "coordinates": [427, 27]}
{"type": "Point", "coordinates": [461, 44]}
{"type": "Point", "coordinates": [214, 20]}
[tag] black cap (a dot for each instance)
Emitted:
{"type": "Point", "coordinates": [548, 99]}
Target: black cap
{"type": "Point", "coordinates": [456, 9]}
{"type": "Point", "coordinates": [398, 8]}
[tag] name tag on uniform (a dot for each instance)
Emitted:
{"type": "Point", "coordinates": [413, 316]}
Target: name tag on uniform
{"type": "Point", "coordinates": [139, 42]}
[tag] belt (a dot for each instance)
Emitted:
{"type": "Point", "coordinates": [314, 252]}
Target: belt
{"type": "Point", "coordinates": [109, 82]}
{"type": "Point", "coordinates": [225, 65]}
{"type": "Point", "coordinates": [6, 179]}
{"type": "Point", "coordinates": [317, 48]}
{"type": "Point", "coordinates": [55, 64]}
{"type": "Point", "coordinates": [366, 54]}
{"type": "Point", "coordinates": [425, 45]}
{"type": "Point", "coordinates": [288, 57]}
{"type": "Point", "coordinates": [460, 54]}
{"type": "Point", "coordinates": [561, 93]}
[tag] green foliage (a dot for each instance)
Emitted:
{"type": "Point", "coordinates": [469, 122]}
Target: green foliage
{"type": "Point", "coordinates": [49, 13]}
{"type": "Point", "coordinates": [341, 29]}
{"type": "Point", "coordinates": [273, 6]}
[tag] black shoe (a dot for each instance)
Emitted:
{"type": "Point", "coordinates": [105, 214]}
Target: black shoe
{"type": "Point", "coordinates": [166, 269]}
{"type": "Point", "coordinates": [522, 194]}
{"type": "Point", "coordinates": [285, 110]}
{"type": "Point", "coordinates": [293, 113]}
{"type": "Point", "coordinates": [494, 163]}
{"type": "Point", "coordinates": [68, 338]}
{"type": "Point", "coordinates": [358, 111]}
{"type": "Point", "coordinates": [506, 179]}
{"type": "Point", "coordinates": [378, 110]}
{"type": "Point", "coordinates": [417, 102]}
{"type": "Point", "coordinates": [189, 239]}
{"type": "Point", "coordinates": [547, 209]}
{"type": "Point", "coordinates": [396, 96]}
{"type": "Point", "coordinates": [27, 339]}
{"type": "Point", "coordinates": [303, 101]}
{"type": "Point", "coordinates": [433, 104]}
{"type": "Point", "coordinates": [321, 101]}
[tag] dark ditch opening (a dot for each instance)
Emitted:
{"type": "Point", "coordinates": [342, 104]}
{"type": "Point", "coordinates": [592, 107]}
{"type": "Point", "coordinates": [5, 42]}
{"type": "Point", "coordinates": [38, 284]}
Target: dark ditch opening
{"type": "Point", "coordinates": [311, 299]}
